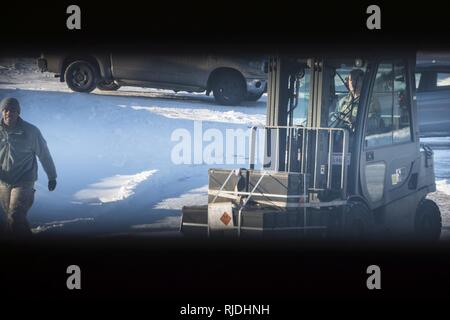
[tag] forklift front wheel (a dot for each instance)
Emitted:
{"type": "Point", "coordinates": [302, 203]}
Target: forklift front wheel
{"type": "Point", "coordinates": [428, 221]}
{"type": "Point", "coordinates": [358, 222]}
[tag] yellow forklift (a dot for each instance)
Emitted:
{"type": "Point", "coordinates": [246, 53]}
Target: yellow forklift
{"type": "Point", "coordinates": [342, 156]}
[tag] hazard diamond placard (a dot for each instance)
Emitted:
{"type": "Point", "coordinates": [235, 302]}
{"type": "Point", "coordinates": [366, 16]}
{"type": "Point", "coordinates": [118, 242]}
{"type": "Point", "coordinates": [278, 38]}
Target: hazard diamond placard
{"type": "Point", "coordinates": [226, 218]}
{"type": "Point", "coordinates": [220, 215]}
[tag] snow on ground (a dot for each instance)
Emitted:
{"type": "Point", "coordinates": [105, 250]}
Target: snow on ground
{"type": "Point", "coordinates": [113, 149]}
{"type": "Point", "coordinates": [165, 223]}
{"type": "Point", "coordinates": [17, 72]}
{"type": "Point", "coordinates": [115, 188]}
{"type": "Point", "coordinates": [192, 197]}
{"type": "Point", "coordinates": [207, 115]}
{"type": "Point", "coordinates": [443, 186]}
{"type": "Point", "coordinates": [58, 224]}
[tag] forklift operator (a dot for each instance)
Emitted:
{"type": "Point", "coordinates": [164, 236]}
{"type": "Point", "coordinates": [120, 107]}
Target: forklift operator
{"type": "Point", "coordinates": [347, 108]}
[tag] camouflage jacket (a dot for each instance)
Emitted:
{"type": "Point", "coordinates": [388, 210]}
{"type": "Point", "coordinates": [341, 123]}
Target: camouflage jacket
{"type": "Point", "coordinates": [349, 106]}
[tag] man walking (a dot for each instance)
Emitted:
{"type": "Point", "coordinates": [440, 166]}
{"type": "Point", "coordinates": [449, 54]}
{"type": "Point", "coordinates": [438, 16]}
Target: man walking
{"type": "Point", "coordinates": [20, 143]}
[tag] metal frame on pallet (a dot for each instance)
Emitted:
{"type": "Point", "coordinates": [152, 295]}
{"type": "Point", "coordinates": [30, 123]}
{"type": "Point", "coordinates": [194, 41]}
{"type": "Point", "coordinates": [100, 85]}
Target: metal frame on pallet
{"type": "Point", "coordinates": [307, 134]}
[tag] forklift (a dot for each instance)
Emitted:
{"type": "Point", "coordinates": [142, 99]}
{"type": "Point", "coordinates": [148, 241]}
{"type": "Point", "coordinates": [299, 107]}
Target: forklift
{"type": "Point", "coordinates": [342, 156]}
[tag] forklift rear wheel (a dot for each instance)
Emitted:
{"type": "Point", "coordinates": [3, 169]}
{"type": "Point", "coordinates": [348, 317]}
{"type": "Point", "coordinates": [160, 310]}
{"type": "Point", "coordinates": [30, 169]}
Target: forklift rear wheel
{"type": "Point", "coordinates": [428, 221]}
{"type": "Point", "coordinates": [358, 222]}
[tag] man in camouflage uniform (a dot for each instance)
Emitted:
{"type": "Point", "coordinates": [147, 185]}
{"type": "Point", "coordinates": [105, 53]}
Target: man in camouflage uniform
{"type": "Point", "coordinates": [348, 106]}
{"type": "Point", "coordinates": [20, 143]}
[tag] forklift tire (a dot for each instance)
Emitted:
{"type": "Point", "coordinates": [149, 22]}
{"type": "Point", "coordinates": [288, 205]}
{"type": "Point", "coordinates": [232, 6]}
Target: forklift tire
{"type": "Point", "coordinates": [81, 76]}
{"type": "Point", "coordinates": [358, 222]}
{"type": "Point", "coordinates": [428, 222]}
{"type": "Point", "coordinates": [229, 89]}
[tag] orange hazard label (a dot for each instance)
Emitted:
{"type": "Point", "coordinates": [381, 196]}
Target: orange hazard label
{"type": "Point", "coordinates": [225, 218]}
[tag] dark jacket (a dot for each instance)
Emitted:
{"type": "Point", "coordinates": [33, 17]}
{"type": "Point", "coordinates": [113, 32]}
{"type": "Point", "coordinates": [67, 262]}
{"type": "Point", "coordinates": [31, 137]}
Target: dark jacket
{"type": "Point", "coordinates": [19, 147]}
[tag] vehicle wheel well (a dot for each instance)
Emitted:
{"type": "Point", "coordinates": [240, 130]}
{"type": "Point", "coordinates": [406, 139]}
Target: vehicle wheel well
{"type": "Point", "coordinates": [219, 71]}
{"type": "Point", "coordinates": [68, 60]}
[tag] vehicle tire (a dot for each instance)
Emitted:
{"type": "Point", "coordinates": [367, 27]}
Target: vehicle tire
{"type": "Point", "coordinates": [108, 85]}
{"type": "Point", "coordinates": [229, 88]}
{"type": "Point", "coordinates": [358, 222]}
{"type": "Point", "coordinates": [81, 76]}
{"type": "Point", "coordinates": [253, 97]}
{"type": "Point", "coordinates": [428, 222]}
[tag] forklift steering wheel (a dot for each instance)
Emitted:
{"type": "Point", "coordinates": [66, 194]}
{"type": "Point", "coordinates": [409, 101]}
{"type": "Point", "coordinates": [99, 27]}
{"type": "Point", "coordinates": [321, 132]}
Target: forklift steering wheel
{"type": "Point", "coordinates": [340, 118]}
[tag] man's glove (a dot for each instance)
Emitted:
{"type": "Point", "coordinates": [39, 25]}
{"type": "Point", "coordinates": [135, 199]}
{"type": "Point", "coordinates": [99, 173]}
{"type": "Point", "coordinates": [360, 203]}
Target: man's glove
{"type": "Point", "coordinates": [51, 185]}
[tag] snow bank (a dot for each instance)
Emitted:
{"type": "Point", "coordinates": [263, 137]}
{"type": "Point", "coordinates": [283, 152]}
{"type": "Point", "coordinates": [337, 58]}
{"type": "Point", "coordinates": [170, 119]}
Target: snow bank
{"type": "Point", "coordinates": [172, 222]}
{"type": "Point", "coordinates": [205, 115]}
{"type": "Point", "coordinates": [443, 186]}
{"type": "Point", "coordinates": [115, 188]}
{"type": "Point", "coordinates": [193, 197]}
{"type": "Point", "coordinates": [24, 72]}
{"type": "Point", "coordinates": [59, 224]}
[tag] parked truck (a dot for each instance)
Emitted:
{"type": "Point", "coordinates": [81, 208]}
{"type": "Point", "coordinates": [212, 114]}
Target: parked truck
{"type": "Point", "coordinates": [433, 98]}
{"type": "Point", "coordinates": [230, 79]}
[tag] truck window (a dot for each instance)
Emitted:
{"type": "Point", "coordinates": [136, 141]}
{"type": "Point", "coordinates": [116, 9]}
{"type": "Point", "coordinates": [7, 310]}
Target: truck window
{"type": "Point", "coordinates": [443, 80]}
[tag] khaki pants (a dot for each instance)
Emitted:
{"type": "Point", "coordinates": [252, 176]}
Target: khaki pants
{"type": "Point", "coordinates": [15, 201]}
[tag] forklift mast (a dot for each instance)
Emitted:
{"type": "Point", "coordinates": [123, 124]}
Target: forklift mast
{"type": "Point", "coordinates": [298, 136]}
